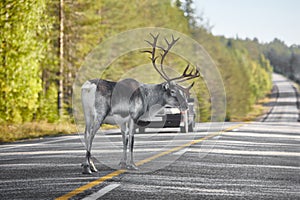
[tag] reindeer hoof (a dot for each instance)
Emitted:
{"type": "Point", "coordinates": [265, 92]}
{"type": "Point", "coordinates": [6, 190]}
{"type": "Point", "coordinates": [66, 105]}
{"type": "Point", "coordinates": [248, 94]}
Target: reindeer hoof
{"type": "Point", "coordinates": [86, 169]}
{"type": "Point", "coordinates": [132, 167]}
{"type": "Point", "coordinates": [93, 168]}
{"type": "Point", "coordinates": [123, 165]}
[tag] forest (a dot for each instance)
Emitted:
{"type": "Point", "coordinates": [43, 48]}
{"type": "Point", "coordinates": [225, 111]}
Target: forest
{"type": "Point", "coordinates": [44, 43]}
{"type": "Point", "coordinates": [284, 59]}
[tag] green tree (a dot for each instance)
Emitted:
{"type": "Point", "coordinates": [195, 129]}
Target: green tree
{"type": "Point", "coordinates": [89, 22]}
{"type": "Point", "coordinates": [22, 51]}
{"type": "Point", "coordinates": [189, 12]}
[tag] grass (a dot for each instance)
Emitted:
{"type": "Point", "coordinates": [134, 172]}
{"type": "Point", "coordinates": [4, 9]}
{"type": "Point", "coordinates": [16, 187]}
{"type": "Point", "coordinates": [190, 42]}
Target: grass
{"type": "Point", "coordinates": [257, 111]}
{"type": "Point", "coordinates": [29, 130]}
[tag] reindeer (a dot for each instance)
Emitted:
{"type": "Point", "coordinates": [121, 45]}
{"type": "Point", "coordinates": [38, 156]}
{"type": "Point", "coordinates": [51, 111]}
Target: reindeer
{"type": "Point", "coordinates": [128, 100]}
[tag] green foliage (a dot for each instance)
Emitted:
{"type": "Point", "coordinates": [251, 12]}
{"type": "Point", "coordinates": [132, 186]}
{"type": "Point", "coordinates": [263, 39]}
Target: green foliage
{"type": "Point", "coordinates": [29, 54]}
{"type": "Point", "coordinates": [21, 53]}
{"type": "Point", "coordinates": [119, 16]}
{"type": "Point", "coordinates": [48, 105]}
{"type": "Point", "coordinates": [246, 73]}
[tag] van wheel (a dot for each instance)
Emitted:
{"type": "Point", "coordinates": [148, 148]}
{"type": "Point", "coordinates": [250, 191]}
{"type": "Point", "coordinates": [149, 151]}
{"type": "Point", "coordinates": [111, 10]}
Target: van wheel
{"type": "Point", "coordinates": [192, 126]}
{"type": "Point", "coordinates": [141, 130]}
{"type": "Point", "coordinates": [184, 129]}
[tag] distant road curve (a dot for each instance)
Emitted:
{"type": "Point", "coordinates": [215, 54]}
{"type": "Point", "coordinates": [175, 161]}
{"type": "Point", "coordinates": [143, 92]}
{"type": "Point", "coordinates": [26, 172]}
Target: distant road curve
{"type": "Point", "coordinates": [284, 106]}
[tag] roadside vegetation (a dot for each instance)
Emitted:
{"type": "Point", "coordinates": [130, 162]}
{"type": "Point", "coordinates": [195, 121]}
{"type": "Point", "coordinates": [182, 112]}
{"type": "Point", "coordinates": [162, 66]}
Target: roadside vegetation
{"type": "Point", "coordinates": [17, 131]}
{"type": "Point", "coordinates": [37, 70]}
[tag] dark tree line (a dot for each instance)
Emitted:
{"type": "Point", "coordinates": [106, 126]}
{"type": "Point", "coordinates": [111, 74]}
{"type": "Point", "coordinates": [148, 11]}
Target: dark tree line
{"type": "Point", "coordinates": [284, 59]}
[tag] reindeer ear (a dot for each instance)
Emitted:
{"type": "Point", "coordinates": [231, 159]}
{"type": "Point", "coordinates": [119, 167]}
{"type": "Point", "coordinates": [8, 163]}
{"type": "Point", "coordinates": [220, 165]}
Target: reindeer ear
{"type": "Point", "coordinates": [166, 86]}
{"type": "Point", "coordinates": [190, 87]}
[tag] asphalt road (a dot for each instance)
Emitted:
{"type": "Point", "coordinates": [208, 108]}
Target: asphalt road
{"type": "Point", "coordinates": [285, 104]}
{"type": "Point", "coordinates": [257, 160]}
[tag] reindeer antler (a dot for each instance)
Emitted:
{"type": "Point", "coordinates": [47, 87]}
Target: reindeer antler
{"type": "Point", "coordinates": [166, 51]}
{"type": "Point", "coordinates": [185, 75]}
{"type": "Point", "coordinates": [153, 57]}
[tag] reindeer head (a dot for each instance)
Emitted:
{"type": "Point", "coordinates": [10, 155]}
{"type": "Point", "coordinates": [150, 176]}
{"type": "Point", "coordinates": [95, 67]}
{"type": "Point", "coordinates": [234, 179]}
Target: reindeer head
{"type": "Point", "coordinates": [174, 94]}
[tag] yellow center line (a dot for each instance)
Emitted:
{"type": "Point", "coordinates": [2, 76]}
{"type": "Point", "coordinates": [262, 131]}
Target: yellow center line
{"type": "Point", "coordinates": [139, 163]}
{"type": "Point", "coordinates": [91, 184]}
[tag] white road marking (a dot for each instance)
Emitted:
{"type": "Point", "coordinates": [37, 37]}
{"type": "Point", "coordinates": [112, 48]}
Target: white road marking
{"type": "Point", "coordinates": [243, 152]}
{"type": "Point", "coordinates": [271, 135]}
{"type": "Point", "coordinates": [222, 165]}
{"type": "Point", "coordinates": [50, 180]}
{"type": "Point", "coordinates": [95, 151]}
{"type": "Point", "coordinates": [101, 192]}
{"type": "Point", "coordinates": [40, 152]}
{"type": "Point", "coordinates": [182, 151]}
{"type": "Point", "coordinates": [37, 165]}
{"type": "Point", "coordinates": [217, 137]}
{"type": "Point", "coordinates": [98, 138]}
{"type": "Point", "coordinates": [248, 143]}
{"type": "Point", "coordinates": [12, 146]}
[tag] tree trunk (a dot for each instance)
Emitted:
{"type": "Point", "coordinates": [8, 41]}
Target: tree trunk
{"type": "Point", "coordinates": [61, 59]}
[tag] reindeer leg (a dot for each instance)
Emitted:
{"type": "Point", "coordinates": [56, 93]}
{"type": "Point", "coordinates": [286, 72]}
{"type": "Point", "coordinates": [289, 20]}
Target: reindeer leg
{"type": "Point", "coordinates": [124, 130]}
{"type": "Point", "coordinates": [131, 164]}
{"type": "Point", "coordinates": [86, 165]}
{"type": "Point", "coordinates": [96, 127]}
{"type": "Point", "coordinates": [89, 166]}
